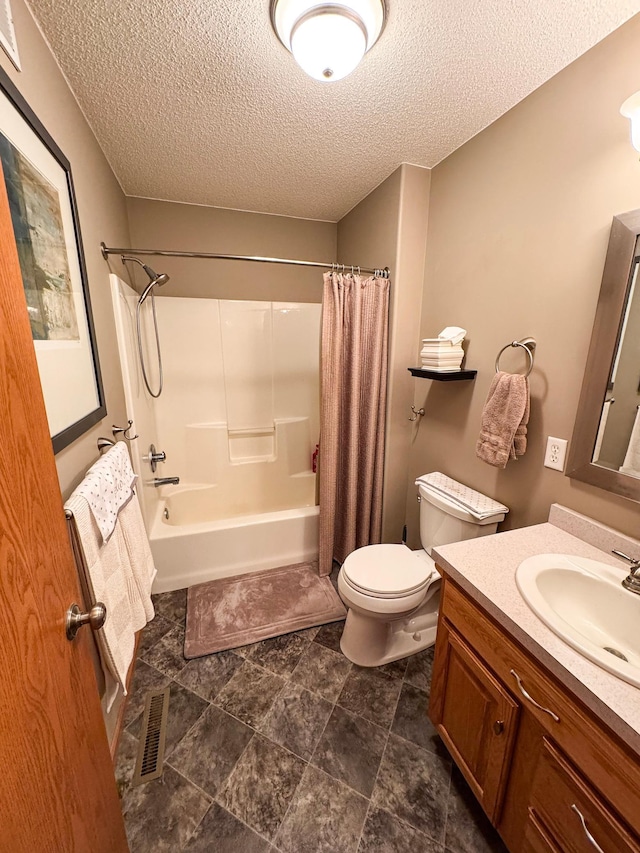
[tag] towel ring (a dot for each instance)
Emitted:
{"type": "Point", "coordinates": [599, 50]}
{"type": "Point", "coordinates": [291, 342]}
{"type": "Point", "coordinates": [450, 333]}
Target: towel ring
{"type": "Point", "coordinates": [527, 344]}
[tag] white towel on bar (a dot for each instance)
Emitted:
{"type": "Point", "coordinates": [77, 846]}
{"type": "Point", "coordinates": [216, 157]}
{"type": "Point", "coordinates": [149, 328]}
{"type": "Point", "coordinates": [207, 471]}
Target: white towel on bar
{"type": "Point", "coordinates": [631, 464]}
{"type": "Point", "coordinates": [606, 409]}
{"type": "Point", "coordinates": [107, 487]}
{"type": "Point", "coordinates": [119, 572]}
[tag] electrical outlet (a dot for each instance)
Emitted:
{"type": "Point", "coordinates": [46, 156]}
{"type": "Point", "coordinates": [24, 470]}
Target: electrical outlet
{"type": "Point", "coordinates": [555, 453]}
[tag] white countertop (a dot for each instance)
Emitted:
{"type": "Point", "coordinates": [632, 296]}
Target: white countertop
{"type": "Point", "coordinates": [485, 568]}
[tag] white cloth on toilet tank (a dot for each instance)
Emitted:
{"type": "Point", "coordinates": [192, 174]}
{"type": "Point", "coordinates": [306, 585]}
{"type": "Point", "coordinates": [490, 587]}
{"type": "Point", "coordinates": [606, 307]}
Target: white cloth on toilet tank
{"type": "Point", "coordinates": [479, 505]}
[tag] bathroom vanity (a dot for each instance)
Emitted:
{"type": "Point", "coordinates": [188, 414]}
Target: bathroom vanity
{"type": "Point", "coordinates": [548, 741]}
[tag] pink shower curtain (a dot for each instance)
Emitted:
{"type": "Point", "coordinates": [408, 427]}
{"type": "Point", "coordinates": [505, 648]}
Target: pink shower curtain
{"type": "Point", "coordinates": [353, 371]}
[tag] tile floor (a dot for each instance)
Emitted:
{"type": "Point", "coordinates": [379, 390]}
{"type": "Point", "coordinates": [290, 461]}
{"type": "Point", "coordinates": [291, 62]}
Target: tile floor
{"type": "Point", "coordinates": [286, 746]}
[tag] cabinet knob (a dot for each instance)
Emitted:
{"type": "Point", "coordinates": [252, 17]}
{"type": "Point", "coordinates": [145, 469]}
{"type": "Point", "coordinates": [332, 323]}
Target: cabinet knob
{"type": "Point", "coordinates": [498, 727]}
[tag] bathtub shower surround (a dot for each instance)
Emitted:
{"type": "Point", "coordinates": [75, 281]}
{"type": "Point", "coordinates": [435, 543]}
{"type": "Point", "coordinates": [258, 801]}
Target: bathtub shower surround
{"type": "Point", "coordinates": [238, 420]}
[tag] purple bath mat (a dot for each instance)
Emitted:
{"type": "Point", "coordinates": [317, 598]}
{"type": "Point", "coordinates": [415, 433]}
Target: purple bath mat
{"type": "Point", "coordinates": [244, 609]}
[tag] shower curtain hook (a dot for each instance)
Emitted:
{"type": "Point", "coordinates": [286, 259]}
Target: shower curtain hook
{"type": "Point", "coordinates": [352, 271]}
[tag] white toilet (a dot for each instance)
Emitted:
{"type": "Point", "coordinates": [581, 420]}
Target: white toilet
{"type": "Point", "coordinates": [392, 593]}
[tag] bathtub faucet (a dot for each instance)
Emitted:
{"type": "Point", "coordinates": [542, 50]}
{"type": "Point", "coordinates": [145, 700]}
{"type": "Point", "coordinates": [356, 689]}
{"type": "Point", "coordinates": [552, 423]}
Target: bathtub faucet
{"type": "Point", "coordinates": [166, 481]}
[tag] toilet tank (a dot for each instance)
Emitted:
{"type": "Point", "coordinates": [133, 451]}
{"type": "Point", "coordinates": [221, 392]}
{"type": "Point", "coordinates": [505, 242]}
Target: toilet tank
{"type": "Point", "coordinates": [442, 521]}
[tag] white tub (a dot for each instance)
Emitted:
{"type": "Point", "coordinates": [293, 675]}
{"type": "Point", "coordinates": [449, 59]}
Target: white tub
{"type": "Point", "coordinates": [188, 550]}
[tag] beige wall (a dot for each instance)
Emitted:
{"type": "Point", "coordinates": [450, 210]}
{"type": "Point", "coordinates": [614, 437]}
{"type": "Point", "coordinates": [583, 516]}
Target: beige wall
{"type": "Point", "coordinates": [518, 228]}
{"type": "Point", "coordinates": [101, 209]}
{"type": "Point", "coordinates": [192, 228]}
{"type": "Point", "coordinates": [388, 228]}
{"type": "Point", "coordinates": [103, 216]}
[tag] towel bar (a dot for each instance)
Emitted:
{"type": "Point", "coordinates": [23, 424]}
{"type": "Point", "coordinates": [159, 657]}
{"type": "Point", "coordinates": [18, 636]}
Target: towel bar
{"type": "Point", "coordinates": [527, 344]}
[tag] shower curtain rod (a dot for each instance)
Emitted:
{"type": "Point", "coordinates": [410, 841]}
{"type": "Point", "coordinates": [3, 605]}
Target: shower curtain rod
{"type": "Point", "coordinates": [106, 251]}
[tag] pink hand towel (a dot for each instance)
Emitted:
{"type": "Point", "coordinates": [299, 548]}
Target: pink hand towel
{"type": "Point", "coordinates": [503, 431]}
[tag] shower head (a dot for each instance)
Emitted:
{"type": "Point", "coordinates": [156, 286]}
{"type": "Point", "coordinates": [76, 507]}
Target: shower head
{"type": "Point", "coordinates": [155, 279]}
{"type": "Point", "coordinates": [163, 278]}
{"type": "Point", "coordinates": [158, 278]}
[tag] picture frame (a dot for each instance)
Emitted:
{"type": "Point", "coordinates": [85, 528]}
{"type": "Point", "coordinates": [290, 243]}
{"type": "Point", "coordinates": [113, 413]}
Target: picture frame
{"type": "Point", "coordinates": [8, 33]}
{"type": "Point", "coordinates": [44, 214]}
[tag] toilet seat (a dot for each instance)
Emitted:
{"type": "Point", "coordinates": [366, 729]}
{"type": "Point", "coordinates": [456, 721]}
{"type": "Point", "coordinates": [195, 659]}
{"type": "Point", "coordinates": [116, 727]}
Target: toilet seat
{"type": "Point", "coordinates": [387, 571]}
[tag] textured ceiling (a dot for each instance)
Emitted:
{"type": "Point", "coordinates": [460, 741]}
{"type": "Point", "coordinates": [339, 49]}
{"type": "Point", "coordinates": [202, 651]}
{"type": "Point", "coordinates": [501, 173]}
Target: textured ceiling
{"type": "Point", "coordinates": [197, 101]}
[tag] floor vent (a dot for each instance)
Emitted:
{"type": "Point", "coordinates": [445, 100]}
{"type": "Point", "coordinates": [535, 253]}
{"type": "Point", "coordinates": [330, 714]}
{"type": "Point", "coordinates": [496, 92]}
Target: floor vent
{"type": "Point", "coordinates": [152, 737]}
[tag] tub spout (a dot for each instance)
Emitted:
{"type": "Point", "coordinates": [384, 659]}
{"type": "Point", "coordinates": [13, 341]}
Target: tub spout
{"type": "Point", "coordinates": [166, 481]}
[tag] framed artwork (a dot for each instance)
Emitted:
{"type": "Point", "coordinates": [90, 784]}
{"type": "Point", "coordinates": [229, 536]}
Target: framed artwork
{"type": "Point", "coordinates": [42, 202]}
{"type": "Point", "coordinates": [8, 33]}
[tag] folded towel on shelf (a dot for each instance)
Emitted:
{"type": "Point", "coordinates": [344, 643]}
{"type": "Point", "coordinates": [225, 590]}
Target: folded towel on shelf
{"type": "Point", "coordinates": [107, 486]}
{"type": "Point", "coordinates": [427, 364]}
{"type": "Point", "coordinates": [455, 355]}
{"type": "Point", "coordinates": [119, 572]}
{"type": "Point", "coordinates": [451, 335]}
{"type": "Point", "coordinates": [441, 362]}
{"type": "Point", "coordinates": [503, 431]}
{"type": "Point", "coordinates": [631, 464]}
{"type": "Point", "coordinates": [443, 348]}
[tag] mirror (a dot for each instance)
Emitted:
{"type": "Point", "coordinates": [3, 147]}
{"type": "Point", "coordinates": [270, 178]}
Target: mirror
{"type": "Point", "coordinates": [605, 448]}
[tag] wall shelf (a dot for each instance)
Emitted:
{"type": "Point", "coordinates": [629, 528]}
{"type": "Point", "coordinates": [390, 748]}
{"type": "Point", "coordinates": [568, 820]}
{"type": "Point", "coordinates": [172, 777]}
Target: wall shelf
{"type": "Point", "coordinates": [451, 376]}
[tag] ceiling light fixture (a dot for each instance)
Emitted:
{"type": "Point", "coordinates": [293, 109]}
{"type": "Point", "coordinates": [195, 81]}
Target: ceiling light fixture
{"type": "Point", "coordinates": [631, 110]}
{"type": "Point", "coordinates": [328, 40]}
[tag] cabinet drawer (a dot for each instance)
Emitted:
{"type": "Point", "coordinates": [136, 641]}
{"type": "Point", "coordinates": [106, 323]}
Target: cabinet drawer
{"type": "Point", "coordinates": [536, 837]}
{"type": "Point", "coordinates": [602, 758]}
{"type": "Point", "coordinates": [574, 813]}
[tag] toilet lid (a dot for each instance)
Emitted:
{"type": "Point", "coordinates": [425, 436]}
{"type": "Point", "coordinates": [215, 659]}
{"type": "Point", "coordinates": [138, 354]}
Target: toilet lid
{"type": "Point", "coordinates": [387, 571]}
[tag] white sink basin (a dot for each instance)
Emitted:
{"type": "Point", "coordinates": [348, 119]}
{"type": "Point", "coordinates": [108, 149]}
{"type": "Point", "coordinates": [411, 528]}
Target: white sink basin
{"type": "Point", "coordinates": [583, 602]}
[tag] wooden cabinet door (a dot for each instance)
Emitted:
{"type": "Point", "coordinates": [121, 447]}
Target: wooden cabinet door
{"type": "Point", "coordinates": [475, 717]}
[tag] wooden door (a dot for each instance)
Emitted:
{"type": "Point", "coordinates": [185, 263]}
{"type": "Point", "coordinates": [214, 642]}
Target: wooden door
{"type": "Point", "coordinates": [57, 786]}
{"type": "Point", "coordinates": [475, 717]}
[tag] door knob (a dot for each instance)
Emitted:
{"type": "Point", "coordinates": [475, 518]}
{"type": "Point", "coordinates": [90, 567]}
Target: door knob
{"type": "Point", "coordinates": [96, 617]}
